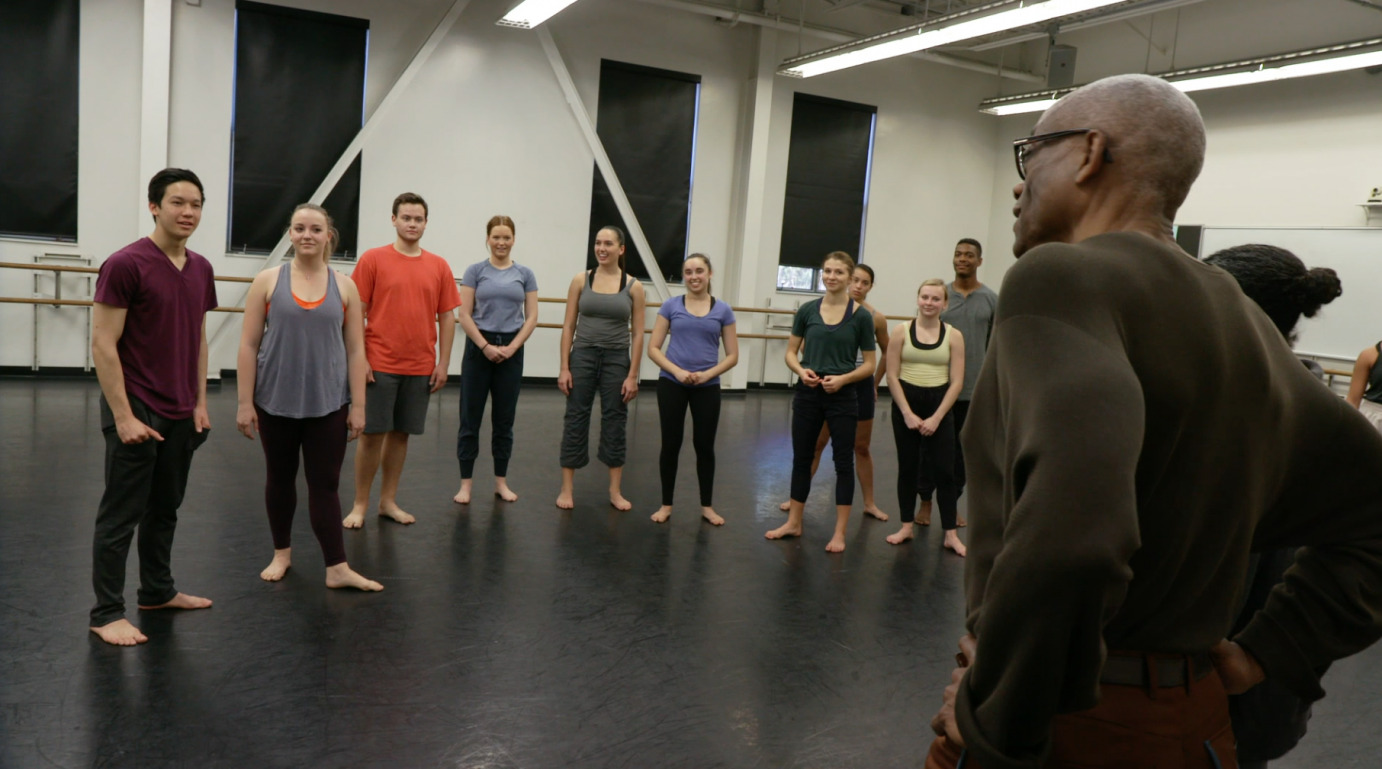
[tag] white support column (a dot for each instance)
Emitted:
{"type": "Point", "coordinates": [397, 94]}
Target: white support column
{"type": "Point", "coordinates": [573, 98]}
{"type": "Point", "coordinates": [153, 97]}
{"type": "Point", "coordinates": [356, 145]}
{"type": "Point", "coordinates": [754, 183]}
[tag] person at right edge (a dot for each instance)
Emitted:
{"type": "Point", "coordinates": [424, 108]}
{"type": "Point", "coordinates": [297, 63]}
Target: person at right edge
{"type": "Point", "coordinates": [1269, 719]}
{"type": "Point", "coordinates": [1129, 447]}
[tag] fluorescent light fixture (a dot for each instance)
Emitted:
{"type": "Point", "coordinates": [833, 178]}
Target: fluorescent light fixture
{"type": "Point", "coordinates": [531, 13]}
{"type": "Point", "coordinates": [1190, 81]}
{"type": "Point", "coordinates": [918, 38]}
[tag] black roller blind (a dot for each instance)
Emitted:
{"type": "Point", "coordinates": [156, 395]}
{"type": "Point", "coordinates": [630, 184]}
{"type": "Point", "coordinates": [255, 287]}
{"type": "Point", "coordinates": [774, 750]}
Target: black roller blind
{"type": "Point", "coordinates": [827, 179]}
{"type": "Point", "coordinates": [39, 40]}
{"type": "Point", "coordinates": [299, 101]}
{"type": "Point", "coordinates": [647, 122]}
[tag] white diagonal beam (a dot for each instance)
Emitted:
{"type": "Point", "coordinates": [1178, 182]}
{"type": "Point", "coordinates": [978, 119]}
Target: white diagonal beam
{"type": "Point", "coordinates": [358, 143]}
{"type": "Point", "coordinates": [573, 98]}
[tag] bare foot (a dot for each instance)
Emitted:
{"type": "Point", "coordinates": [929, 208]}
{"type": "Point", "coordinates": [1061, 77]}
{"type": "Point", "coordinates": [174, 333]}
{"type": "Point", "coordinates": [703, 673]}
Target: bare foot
{"type": "Point", "coordinates": [565, 500]}
{"type": "Point", "coordinates": [924, 514]}
{"type": "Point", "coordinates": [396, 513]}
{"type": "Point", "coordinates": [463, 496]}
{"type": "Point", "coordinates": [502, 490]}
{"type": "Point", "coordinates": [785, 506]}
{"type": "Point", "coordinates": [960, 521]}
{"type": "Point", "coordinates": [875, 512]}
{"type": "Point", "coordinates": [356, 519]}
{"type": "Point", "coordinates": [283, 559]}
{"type": "Point", "coordinates": [182, 601]}
{"type": "Point", "coordinates": [341, 575]}
{"type": "Point", "coordinates": [709, 514]}
{"type": "Point", "coordinates": [836, 544]}
{"type": "Point", "coordinates": [617, 499]}
{"type": "Point", "coordinates": [120, 633]}
{"type": "Point", "coordinates": [902, 535]}
{"type": "Point", "coordinates": [952, 541]}
{"type": "Point", "coordinates": [790, 530]}
{"type": "Point", "coordinates": [662, 514]}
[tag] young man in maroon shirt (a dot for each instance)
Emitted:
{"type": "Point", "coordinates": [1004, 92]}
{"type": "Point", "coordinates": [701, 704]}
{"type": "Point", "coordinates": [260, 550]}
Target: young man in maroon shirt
{"type": "Point", "coordinates": [149, 345]}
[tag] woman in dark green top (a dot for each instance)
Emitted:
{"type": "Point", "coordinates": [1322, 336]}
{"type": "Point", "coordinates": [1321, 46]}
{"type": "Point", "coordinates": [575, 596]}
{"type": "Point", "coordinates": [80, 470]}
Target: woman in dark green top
{"type": "Point", "coordinates": [830, 333]}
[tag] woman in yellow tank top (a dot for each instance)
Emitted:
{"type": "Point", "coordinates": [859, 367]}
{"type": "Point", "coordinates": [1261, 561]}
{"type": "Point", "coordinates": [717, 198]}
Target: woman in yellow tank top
{"type": "Point", "coordinates": [929, 358]}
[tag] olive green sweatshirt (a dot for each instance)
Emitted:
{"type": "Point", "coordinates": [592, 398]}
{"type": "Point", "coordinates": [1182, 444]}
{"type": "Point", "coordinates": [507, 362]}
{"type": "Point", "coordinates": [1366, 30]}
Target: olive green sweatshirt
{"type": "Point", "coordinates": [1138, 429]}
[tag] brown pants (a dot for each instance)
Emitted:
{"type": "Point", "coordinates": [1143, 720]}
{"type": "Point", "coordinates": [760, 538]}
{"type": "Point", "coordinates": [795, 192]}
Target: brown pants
{"type": "Point", "coordinates": [1134, 728]}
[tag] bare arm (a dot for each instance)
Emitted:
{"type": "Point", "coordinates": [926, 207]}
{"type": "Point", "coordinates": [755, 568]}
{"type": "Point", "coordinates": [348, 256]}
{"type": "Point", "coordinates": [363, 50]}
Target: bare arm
{"type": "Point", "coordinates": [957, 375]}
{"type": "Point", "coordinates": [1362, 371]}
{"type": "Point", "coordinates": [201, 419]}
{"type": "Point", "coordinates": [568, 331]}
{"type": "Point", "coordinates": [637, 322]}
{"type": "Point", "coordinates": [660, 328]}
{"type": "Point", "coordinates": [465, 316]}
{"type": "Point", "coordinates": [247, 360]}
{"type": "Point", "coordinates": [730, 337]}
{"type": "Point", "coordinates": [529, 320]}
{"type": "Point", "coordinates": [107, 326]}
{"type": "Point", "coordinates": [880, 330]}
{"type": "Point", "coordinates": [894, 363]}
{"type": "Point", "coordinates": [357, 367]}
{"type": "Point", "coordinates": [446, 338]}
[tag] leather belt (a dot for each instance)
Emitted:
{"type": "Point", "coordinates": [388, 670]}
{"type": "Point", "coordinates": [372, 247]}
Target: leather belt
{"type": "Point", "coordinates": [1148, 670]}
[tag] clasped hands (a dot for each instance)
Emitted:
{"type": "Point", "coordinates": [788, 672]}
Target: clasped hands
{"type": "Point", "coordinates": [830, 384]}
{"type": "Point", "coordinates": [1238, 670]}
{"type": "Point", "coordinates": [691, 378]}
{"type": "Point", "coordinates": [499, 353]}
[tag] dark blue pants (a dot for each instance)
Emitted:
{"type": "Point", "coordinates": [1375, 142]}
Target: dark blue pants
{"type": "Point", "coordinates": [481, 380]}
{"type": "Point", "coordinates": [813, 408]}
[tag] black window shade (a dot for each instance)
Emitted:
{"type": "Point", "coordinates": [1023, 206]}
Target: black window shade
{"type": "Point", "coordinates": [299, 101]}
{"type": "Point", "coordinates": [827, 179]}
{"type": "Point", "coordinates": [38, 117]}
{"type": "Point", "coordinates": [646, 120]}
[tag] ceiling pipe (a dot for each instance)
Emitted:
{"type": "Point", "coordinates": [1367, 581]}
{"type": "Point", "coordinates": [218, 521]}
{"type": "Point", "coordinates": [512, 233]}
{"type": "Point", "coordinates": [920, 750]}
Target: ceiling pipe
{"type": "Point", "coordinates": [729, 15]}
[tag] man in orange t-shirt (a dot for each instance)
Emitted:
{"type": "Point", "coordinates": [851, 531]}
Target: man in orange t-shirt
{"type": "Point", "coordinates": [408, 295]}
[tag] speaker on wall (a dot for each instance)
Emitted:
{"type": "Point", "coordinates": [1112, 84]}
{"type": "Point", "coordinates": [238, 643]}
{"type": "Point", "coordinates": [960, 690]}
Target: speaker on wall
{"type": "Point", "coordinates": [1060, 69]}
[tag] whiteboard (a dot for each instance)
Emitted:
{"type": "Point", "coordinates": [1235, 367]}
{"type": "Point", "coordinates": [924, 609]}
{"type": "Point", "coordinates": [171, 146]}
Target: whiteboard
{"type": "Point", "coordinates": [1348, 324]}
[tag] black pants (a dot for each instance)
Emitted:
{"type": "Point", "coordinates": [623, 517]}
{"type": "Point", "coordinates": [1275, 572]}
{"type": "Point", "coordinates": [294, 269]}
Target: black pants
{"type": "Point", "coordinates": [813, 408]}
{"type": "Point", "coordinates": [482, 379]}
{"type": "Point", "coordinates": [936, 451]}
{"type": "Point", "coordinates": [321, 443]}
{"type": "Point", "coordinates": [673, 399]}
{"type": "Point", "coordinates": [145, 483]}
{"type": "Point", "coordinates": [928, 479]}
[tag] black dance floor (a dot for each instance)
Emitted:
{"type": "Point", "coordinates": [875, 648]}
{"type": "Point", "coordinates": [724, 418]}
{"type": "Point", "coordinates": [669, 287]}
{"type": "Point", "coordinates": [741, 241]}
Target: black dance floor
{"type": "Point", "coordinates": [508, 635]}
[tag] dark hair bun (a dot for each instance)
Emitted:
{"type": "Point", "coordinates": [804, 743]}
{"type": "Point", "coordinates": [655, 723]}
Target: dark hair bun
{"type": "Point", "coordinates": [1320, 286]}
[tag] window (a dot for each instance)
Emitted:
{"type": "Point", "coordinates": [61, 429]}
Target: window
{"type": "Point", "coordinates": [828, 166]}
{"type": "Point", "coordinates": [38, 119]}
{"type": "Point", "coordinates": [647, 122]}
{"type": "Point", "coordinates": [299, 102]}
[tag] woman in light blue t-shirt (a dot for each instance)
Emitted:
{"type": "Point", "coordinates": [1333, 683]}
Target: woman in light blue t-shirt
{"type": "Point", "coordinates": [498, 313]}
{"type": "Point", "coordinates": [691, 369]}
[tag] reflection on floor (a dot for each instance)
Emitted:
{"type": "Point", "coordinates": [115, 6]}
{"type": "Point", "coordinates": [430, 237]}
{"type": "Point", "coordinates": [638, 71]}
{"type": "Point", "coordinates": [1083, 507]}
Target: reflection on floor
{"type": "Point", "coordinates": [509, 635]}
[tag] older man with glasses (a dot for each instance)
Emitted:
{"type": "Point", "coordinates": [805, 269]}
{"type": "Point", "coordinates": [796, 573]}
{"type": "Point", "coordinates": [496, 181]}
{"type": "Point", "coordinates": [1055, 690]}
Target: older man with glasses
{"type": "Point", "coordinates": [1140, 428]}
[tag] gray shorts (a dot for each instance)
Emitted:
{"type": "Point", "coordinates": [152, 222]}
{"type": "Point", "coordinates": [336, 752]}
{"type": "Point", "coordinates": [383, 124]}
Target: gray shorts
{"type": "Point", "coordinates": [396, 402]}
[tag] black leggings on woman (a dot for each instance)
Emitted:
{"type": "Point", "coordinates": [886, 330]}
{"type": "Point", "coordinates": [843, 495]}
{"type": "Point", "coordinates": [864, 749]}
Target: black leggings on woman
{"type": "Point", "coordinates": [321, 441]}
{"type": "Point", "coordinates": [673, 398]}
{"type": "Point", "coordinates": [938, 447]}
{"type": "Point", "coordinates": [813, 408]}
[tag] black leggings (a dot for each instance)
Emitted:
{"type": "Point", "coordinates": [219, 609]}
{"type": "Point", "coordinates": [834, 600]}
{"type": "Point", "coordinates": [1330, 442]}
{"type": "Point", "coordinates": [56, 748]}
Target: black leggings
{"type": "Point", "coordinates": [321, 441]}
{"type": "Point", "coordinates": [673, 398]}
{"type": "Point", "coordinates": [812, 408]}
{"type": "Point", "coordinates": [938, 448]}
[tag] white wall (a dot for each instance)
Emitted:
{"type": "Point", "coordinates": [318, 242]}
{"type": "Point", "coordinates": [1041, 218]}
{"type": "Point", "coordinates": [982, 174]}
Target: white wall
{"type": "Point", "coordinates": [484, 129]}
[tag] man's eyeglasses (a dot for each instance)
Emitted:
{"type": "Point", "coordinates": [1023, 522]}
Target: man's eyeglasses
{"type": "Point", "coordinates": [1023, 148]}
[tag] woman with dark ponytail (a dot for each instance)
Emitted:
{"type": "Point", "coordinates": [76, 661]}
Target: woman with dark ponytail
{"type": "Point", "coordinates": [1269, 719]}
{"type": "Point", "coordinates": [601, 347]}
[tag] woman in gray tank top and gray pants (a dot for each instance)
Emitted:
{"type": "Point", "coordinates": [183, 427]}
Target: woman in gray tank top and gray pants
{"type": "Point", "coordinates": [300, 376]}
{"type": "Point", "coordinates": [601, 347]}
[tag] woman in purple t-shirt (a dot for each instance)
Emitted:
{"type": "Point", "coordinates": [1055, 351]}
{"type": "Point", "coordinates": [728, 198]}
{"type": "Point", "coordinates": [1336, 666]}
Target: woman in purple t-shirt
{"type": "Point", "coordinates": [691, 370]}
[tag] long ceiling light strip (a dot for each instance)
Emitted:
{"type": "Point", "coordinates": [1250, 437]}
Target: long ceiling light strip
{"type": "Point", "coordinates": [914, 39]}
{"type": "Point", "coordinates": [1224, 75]}
{"type": "Point", "coordinates": [530, 13]}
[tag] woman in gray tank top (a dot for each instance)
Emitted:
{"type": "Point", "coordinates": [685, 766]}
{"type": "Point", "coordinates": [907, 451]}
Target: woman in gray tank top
{"type": "Point", "coordinates": [1365, 390]}
{"type": "Point", "coordinates": [601, 346]}
{"type": "Point", "coordinates": [300, 376]}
